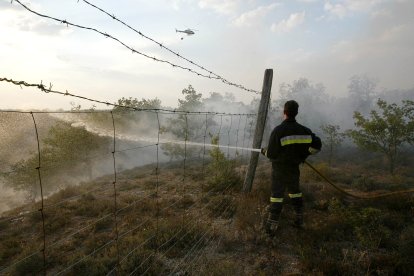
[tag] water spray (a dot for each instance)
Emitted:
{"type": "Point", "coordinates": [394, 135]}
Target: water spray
{"type": "Point", "coordinates": [132, 138]}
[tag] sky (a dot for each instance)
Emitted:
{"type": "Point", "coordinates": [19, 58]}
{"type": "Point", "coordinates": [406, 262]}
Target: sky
{"type": "Point", "coordinates": [325, 41]}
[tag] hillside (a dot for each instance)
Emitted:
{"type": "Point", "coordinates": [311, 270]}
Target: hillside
{"type": "Point", "coordinates": [197, 227]}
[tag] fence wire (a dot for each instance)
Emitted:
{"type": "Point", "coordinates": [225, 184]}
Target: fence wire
{"type": "Point", "coordinates": [48, 89]}
{"type": "Point", "coordinates": [79, 233]}
{"type": "Point", "coordinates": [211, 75]}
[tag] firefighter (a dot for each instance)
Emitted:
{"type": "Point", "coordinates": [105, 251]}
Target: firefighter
{"type": "Point", "coordinates": [289, 145]}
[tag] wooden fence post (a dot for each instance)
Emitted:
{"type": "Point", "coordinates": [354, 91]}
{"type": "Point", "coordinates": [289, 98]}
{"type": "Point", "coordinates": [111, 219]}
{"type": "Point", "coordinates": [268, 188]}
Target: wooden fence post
{"type": "Point", "coordinates": [258, 133]}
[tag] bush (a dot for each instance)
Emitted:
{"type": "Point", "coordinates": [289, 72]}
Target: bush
{"type": "Point", "coordinates": [369, 228]}
{"type": "Point", "coordinates": [223, 175]}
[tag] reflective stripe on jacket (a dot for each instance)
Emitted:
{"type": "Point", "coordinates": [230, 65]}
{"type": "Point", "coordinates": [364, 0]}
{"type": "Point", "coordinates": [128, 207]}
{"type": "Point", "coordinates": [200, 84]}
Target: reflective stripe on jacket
{"type": "Point", "coordinates": [290, 143]}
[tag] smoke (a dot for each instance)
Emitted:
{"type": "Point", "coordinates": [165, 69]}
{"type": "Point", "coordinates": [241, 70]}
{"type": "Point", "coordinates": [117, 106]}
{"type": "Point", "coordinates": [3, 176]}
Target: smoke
{"type": "Point", "coordinates": [9, 198]}
{"type": "Point", "coordinates": [138, 133]}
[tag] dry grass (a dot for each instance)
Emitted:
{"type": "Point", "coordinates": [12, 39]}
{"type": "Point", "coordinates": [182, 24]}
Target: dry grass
{"type": "Point", "coordinates": [185, 224]}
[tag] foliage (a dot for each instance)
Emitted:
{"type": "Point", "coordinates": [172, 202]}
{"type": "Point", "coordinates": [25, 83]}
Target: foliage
{"type": "Point", "coordinates": [187, 128]}
{"type": "Point", "coordinates": [124, 117]}
{"type": "Point", "coordinates": [385, 132]}
{"type": "Point", "coordinates": [65, 151]}
{"type": "Point", "coordinates": [333, 138]}
{"type": "Point", "coordinates": [309, 96]}
{"type": "Point", "coordinates": [135, 103]}
{"type": "Point", "coordinates": [222, 173]}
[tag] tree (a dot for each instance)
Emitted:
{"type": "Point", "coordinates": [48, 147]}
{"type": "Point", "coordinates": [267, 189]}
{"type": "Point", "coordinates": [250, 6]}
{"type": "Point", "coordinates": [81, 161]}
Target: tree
{"type": "Point", "coordinates": [387, 131]}
{"type": "Point", "coordinates": [66, 152]}
{"type": "Point", "coordinates": [333, 138]}
{"type": "Point", "coordinates": [124, 117]}
{"type": "Point", "coordinates": [184, 127]}
{"type": "Point", "coordinates": [312, 100]}
{"type": "Point", "coordinates": [361, 89]}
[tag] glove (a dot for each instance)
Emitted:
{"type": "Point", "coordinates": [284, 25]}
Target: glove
{"type": "Point", "coordinates": [263, 151]}
{"type": "Point", "coordinates": [313, 150]}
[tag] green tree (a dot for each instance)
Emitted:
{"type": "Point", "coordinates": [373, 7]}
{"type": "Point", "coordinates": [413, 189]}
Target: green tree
{"type": "Point", "coordinates": [125, 116]}
{"type": "Point", "coordinates": [223, 175]}
{"type": "Point", "coordinates": [386, 131]}
{"type": "Point", "coordinates": [185, 127]}
{"type": "Point", "coordinates": [65, 152]}
{"type": "Point", "coordinates": [135, 103]}
{"type": "Point", "coordinates": [333, 139]}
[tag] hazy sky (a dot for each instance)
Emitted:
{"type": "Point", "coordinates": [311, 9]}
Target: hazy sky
{"type": "Point", "coordinates": [324, 41]}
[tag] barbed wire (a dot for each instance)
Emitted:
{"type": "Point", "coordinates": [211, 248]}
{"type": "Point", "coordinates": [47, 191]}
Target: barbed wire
{"type": "Point", "coordinates": [48, 89]}
{"type": "Point", "coordinates": [117, 211]}
{"type": "Point", "coordinates": [52, 166]}
{"type": "Point", "coordinates": [211, 75]}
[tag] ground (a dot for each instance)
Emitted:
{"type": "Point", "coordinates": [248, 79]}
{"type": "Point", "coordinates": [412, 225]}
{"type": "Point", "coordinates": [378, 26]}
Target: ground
{"type": "Point", "coordinates": [171, 221]}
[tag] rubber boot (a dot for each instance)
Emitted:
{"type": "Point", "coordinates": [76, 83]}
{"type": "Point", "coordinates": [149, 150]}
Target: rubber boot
{"type": "Point", "coordinates": [271, 224]}
{"type": "Point", "coordinates": [298, 206]}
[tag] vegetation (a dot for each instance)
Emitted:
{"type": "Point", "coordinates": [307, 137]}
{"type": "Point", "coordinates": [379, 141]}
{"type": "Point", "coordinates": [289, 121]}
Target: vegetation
{"type": "Point", "coordinates": [333, 138]}
{"type": "Point", "coordinates": [187, 128]}
{"type": "Point", "coordinates": [361, 89]}
{"type": "Point", "coordinates": [221, 171]}
{"type": "Point", "coordinates": [385, 132]}
{"type": "Point", "coordinates": [341, 237]}
{"type": "Point", "coordinates": [205, 225]}
{"type": "Point", "coordinates": [65, 151]}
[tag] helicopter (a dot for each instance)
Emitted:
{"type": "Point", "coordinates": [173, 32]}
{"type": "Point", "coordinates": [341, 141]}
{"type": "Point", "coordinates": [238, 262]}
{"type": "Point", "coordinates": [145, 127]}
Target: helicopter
{"type": "Point", "coordinates": [187, 31]}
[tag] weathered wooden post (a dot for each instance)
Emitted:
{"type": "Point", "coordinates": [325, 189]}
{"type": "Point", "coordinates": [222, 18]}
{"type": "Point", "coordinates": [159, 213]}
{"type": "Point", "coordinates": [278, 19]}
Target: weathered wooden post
{"type": "Point", "coordinates": [258, 133]}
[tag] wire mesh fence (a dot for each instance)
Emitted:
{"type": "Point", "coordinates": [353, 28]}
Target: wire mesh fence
{"type": "Point", "coordinates": [118, 194]}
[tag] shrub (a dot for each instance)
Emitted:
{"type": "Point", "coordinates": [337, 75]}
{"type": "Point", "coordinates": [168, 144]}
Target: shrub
{"type": "Point", "coordinates": [366, 223]}
{"type": "Point", "coordinates": [369, 228]}
{"type": "Point", "coordinates": [223, 175]}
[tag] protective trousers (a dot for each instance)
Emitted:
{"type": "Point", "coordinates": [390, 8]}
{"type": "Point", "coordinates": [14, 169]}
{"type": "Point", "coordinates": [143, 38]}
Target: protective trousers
{"type": "Point", "coordinates": [285, 176]}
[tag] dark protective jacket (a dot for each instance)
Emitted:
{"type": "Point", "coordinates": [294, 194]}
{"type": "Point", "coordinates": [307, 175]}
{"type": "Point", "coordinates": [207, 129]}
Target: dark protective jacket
{"type": "Point", "coordinates": [292, 143]}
